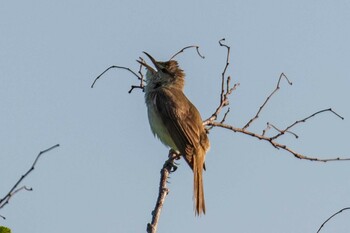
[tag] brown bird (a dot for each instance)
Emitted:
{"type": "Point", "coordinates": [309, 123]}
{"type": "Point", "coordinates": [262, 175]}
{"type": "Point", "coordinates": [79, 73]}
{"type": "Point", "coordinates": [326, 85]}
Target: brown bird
{"type": "Point", "coordinates": [176, 121]}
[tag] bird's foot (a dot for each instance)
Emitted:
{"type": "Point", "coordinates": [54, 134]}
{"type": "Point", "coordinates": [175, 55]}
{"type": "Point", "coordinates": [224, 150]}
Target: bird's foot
{"type": "Point", "coordinates": [174, 155]}
{"type": "Point", "coordinates": [171, 164]}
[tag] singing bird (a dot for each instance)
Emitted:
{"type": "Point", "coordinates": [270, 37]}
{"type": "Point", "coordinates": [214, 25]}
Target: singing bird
{"type": "Point", "coordinates": [176, 121]}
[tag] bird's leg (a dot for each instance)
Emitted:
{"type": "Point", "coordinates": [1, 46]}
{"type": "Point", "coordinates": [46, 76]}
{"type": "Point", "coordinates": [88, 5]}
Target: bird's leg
{"type": "Point", "coordinates": [174, 154]}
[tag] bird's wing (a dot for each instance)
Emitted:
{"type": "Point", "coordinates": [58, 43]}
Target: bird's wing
{"type": "Point", "coordinates": [182, 120]}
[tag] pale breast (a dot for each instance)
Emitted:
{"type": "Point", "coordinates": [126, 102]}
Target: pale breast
{"type": "Point", "coordinates": [157, 126]}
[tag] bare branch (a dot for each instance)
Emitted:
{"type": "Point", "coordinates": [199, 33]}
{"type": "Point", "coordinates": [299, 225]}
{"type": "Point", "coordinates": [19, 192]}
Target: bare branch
{"type": "Point", "coordinates": [5, 200]}
{"type": "Point", "coordinates": [139, 77]}
{"type": "Point", "coordinates": [188, 47]}
{"type": "Point", "coordinates": [347, 208]}
{"type": "Point", "coordinates": [274, 143]}
{"type": "Point", "coordinates": [225, 115]}
{"type": "Point", "coordinates": [22, 188]}
{"type": "Point", "coordinates": [168, 168]}
{"type": "Point", "coordinates": [267, 99]}
{"type": "Point", "coordinates": [268, 127]}
{"type": "Point", "coordinates": [302, 121]}
{"type": "Point", "coordinates": [211, 122]}
{"type": "Point", "coordinates": [227, 55]}
{"type": "Point", "coordinates": [225, 91]}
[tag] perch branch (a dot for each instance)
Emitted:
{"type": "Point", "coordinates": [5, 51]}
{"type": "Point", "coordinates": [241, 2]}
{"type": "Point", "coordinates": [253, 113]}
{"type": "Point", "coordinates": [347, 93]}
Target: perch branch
{"type": "Point", "coordinates": [168, 168]}
{"type": "Point", "coordinates": [338, 212]}
{"type": "Point", "coordinates": [5, 200]}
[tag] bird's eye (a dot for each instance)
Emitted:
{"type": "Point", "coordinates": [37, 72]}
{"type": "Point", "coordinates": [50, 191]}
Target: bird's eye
{"type": "Point", "coordinates": [164, 70]}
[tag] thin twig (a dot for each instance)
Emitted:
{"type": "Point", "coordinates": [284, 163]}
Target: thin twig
{"type": "Point", "coordinates": [304, 120]}
{"type": "Point", "coordinates": [168, 167]}
{"type": "Point", "coordinates": [188, 47]}
{"type": "Point", "coordinates": [225, 115]}
{"type": "Point", "coordinates": [5, 200]}
{"type": "Point", "coordinates": [139, 77]}
{"type": "Point", "coordinates": [268, 127]}
{"type": "Point", "coordinates": [281, 132]}
{"type": "Point", "coordinates": [347, 208]}
{"type": "Point", "coordinates": [267, 99]}
{"type": "Point", "coordinates": [141, 85]}
{"type": "Point", "coordinates": [274, 143]}
{"type": "Point", "coordinates": [225, 91]}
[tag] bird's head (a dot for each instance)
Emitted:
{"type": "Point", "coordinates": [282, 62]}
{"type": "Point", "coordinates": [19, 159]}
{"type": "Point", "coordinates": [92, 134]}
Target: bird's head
{"type": "Point", "coordinates": [164, 73]}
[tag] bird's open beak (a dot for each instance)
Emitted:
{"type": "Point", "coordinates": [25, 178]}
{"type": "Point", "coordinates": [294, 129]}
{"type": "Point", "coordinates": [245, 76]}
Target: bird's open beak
{"type": "Point", "coordinates": [155, 63]}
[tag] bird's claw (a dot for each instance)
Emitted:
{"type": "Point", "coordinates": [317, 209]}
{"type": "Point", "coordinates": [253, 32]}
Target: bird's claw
{"type": "Point", "coordinates": [171, 165]}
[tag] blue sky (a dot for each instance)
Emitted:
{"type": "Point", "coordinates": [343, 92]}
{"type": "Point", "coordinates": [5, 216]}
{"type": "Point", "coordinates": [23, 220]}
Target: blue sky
{"type": "Point", "coordinates": [104, 176]}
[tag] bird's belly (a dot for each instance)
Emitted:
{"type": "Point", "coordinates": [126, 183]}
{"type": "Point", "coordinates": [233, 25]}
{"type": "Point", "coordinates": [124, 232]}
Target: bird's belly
{"type": "Point", "coordinates": [159, 129]}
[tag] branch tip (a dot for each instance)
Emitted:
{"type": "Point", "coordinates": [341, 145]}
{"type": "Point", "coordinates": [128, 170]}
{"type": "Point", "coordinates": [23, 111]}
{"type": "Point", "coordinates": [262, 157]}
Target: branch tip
{"type": "Point", "coordinates": [188, 47]}
{"type": "Point", "coordinates": [282, 75]}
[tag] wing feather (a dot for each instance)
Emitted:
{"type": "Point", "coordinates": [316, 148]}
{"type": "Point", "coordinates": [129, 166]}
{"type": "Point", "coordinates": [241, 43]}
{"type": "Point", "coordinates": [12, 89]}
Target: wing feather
{"type": "Point", "coordinates": [180, 117]}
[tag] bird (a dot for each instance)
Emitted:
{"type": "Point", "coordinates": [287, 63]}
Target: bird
{"type": "Point", "coordinates": [176, 121]}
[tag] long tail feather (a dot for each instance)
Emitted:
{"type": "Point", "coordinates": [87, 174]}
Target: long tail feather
{"type": "Point", "coordinates": [198, 191]}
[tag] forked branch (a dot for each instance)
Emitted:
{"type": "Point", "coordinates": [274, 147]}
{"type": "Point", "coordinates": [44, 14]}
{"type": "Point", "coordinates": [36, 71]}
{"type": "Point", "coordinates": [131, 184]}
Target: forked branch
{"type": "Point", "coordinates": [226, 90]}
{"type": "Point", "coordinates": [286, 130]}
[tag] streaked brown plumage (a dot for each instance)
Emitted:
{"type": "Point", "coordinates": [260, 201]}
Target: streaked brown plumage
{"type": "Point", "coordinates": [176, 121]}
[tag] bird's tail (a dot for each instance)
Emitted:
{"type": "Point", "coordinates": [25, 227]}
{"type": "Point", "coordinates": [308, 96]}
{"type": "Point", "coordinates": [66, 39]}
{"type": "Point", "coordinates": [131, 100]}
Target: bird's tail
{"type": "Point", "coordinates": [198, 191]}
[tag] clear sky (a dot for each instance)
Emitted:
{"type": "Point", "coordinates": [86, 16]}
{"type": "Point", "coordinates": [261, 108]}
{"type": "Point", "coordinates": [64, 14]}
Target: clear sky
{"type": "Point", "coordinates": [104, 176]}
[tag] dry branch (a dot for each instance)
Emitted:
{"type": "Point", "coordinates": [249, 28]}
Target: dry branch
{"type": "Point", "coordinates": [226, 90]}
{"type": "Point", "coordinates": [5, 200]}
{"type": "Point", "coordinates": [267, 99]}
{"type": "Point", "coordinates": [168, 168]}
{"type": "Point", "coordinates": [188, 47]}
{"type": "Point", "coordinates": [338, 212]}
{"type": "Point", "coordinates": [139, 76]}
{"type": "Point", "coordinates": [281, 132]}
